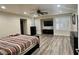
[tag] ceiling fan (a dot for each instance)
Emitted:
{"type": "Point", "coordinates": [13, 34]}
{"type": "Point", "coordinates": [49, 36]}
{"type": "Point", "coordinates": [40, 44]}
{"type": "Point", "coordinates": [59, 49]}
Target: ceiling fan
{"type": "Point", "coordinates": [41, 12]}
{"type": "Point", "coordinates": [38, 12]}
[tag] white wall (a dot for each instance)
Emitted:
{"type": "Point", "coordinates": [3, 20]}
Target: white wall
{"type": "Point", "coordinates": [9, 24]}
{"type": "Point", "coordinates": [64, 27]}
{"type": "Point", "coordinates": [28, 25]}
{"type": "Point", "coordinates": [62, 24]}
{"type": "Point", "coordinates": [63, 20]}
{"type": "Point", "coordinates": [38, 26]}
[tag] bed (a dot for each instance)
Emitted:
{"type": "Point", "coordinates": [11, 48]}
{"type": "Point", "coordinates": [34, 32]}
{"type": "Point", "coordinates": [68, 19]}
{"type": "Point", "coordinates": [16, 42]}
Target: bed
{"type": "Point", "coordinates": [18, 44]}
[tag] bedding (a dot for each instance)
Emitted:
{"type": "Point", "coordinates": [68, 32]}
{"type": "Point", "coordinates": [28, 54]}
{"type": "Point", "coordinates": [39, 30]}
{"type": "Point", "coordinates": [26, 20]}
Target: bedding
{"type": "Point", "coordinates": [13, 45]}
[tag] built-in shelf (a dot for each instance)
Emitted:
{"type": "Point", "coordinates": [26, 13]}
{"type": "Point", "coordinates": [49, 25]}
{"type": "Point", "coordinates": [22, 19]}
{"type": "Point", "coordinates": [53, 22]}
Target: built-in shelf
{"type": "Point", "coordinates": [47, 26]}
{"type": "Point", "coordinates": [47, 31]}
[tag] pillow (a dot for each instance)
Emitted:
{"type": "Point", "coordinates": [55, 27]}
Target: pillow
{"type": "Point", "coordinates": [17, 34]}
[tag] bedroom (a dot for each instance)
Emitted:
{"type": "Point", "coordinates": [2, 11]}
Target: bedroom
{"type": "Point", "coordinates": [52, 23]}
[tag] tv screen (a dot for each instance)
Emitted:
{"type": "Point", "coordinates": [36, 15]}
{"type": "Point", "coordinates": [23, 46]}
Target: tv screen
{"type": "Point", "coordinates": [48, 23]}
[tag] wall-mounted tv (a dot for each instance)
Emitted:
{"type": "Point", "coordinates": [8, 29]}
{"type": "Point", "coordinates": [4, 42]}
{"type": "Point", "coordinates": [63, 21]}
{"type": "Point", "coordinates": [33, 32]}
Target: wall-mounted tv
{"type": "Point", "coordinates": [48, 23]}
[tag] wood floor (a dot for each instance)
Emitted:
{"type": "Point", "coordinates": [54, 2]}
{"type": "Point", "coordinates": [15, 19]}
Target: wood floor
{"type": "Point", "coordinates": [54, 45]}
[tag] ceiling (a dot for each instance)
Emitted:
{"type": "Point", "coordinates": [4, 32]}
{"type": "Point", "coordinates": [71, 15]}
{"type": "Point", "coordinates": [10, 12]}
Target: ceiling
{"type": "Point", "coordinates": [31, 8]}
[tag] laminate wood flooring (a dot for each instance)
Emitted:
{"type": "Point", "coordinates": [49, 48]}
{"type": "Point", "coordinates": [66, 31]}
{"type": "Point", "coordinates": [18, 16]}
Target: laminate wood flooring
{"type": "Point", "coordinates": [54, 45]}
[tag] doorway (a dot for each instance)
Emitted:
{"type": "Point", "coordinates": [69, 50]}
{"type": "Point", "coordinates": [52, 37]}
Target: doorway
{"type": "Point", "coordinates": [23, 26]}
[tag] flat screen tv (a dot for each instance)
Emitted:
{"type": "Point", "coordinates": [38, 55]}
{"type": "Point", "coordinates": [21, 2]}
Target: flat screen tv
{"type": "Point", "coordinates": [48, 23]}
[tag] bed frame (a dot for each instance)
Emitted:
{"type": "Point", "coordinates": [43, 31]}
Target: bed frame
{"type": "Point", "coordinates": [31, 49]}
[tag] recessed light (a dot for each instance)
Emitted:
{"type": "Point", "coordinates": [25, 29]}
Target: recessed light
{"type": "Point", "coordinates": [25, 12]}
{"type": "Point", "coordinates": [3, 7]}
{"type": "Point", "coordinates": [58, 5]}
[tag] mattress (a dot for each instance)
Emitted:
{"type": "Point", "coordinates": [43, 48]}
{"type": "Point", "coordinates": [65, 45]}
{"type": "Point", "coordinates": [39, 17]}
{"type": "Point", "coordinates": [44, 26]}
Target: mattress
{"type": "Point", "coordinates": [14, 45]}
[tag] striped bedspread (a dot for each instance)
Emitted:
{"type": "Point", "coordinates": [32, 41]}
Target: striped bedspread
{"type": "Point", "coordinates": [16, 44]}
